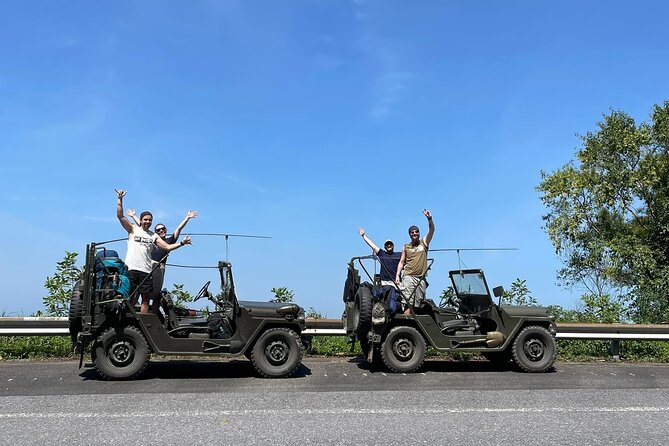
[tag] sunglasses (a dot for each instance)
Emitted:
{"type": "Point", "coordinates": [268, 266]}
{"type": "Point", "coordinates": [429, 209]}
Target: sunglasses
{"type": "Point", "coordinates": [414, 232]}
{"type": "Point", "coordinates": [161, 229]}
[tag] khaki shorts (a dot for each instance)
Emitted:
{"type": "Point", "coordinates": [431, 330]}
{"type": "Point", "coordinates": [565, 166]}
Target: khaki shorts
{"type": "Point", "coordinates": [413, 290]}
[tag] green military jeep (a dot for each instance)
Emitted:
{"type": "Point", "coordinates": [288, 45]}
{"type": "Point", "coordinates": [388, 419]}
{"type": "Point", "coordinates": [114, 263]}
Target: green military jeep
{"type": "Point", "coordinates": [122, 339]}
{"type": "Point", "coordinates": [471, 322]}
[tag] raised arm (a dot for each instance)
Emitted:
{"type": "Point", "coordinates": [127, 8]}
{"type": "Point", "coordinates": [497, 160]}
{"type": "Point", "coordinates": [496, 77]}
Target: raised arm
{"type": "Point", "coordinates": [400, 265]}
{"type": "Point", "coordinates": [162, 244]}
{"type": "Point", "coordinates": [132, 214]}
{"type": "Point", "coordinates": [369, 241]}
{"type": "Point", "coordinates": [119, 211]}
{"type": "Point", "coordinates": [189, 215]}
{"type": "Point", "coordinates": [430, 230]}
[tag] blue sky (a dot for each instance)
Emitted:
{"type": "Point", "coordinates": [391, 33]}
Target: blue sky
{"type": "Point", "coordinates": [302, 121]}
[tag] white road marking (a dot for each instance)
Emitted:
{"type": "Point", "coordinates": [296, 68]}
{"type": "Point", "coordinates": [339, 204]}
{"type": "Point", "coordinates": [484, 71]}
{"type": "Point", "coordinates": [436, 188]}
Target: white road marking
{"type": "Point", "coordinates": [341, 411]}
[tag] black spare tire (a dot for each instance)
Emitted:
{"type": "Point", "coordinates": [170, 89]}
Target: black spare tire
{"type": "Point", "coordinates": [76, 310]}
{"type": "Point", "coordinates": [362, 311]}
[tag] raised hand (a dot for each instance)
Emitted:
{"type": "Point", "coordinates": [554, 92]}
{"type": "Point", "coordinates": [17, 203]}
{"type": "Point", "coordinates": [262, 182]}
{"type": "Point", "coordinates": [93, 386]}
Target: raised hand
{"type": "Point", "coordinates": [361, 231]}
{"type": "Point", "coordinates": [191, 214]}
{"type": "Point", "coordinates": [120, 193]}
{"type": "Point", "coordinates": [427, 214]}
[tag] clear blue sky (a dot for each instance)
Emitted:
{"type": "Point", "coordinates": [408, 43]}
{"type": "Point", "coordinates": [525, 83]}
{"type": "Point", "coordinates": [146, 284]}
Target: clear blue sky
{"type": "Point", "coordinates": [302, 121]}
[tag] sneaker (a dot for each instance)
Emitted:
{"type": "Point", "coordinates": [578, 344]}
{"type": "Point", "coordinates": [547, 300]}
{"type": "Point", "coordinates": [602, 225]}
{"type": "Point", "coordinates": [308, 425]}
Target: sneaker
{"type": "Point", "coordinates": [378, 314]}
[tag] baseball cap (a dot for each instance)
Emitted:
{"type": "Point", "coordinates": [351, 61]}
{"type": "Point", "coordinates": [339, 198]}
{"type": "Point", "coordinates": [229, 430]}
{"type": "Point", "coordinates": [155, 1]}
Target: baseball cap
{"type": "Point", "coordinates": [388, 241]}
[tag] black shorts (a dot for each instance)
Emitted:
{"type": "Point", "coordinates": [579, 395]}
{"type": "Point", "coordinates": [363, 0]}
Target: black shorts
{"type": "Point", "coordinates": [141, 280]}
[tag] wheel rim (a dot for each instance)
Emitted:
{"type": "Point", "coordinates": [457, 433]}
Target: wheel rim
{"type": "Point", "coordinates": [404, 348]}
{"type": "Point", "coordinates": [277, 352]}
{"type": "Point", "coordinates": [121, 353]}
{"type": "Point", "coordinates": [534, 349]}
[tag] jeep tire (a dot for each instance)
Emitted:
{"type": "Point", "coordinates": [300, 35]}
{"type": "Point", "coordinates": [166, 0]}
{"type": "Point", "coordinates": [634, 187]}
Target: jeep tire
{"type": "Point", "coordinates": [121, 353]}
{"type": "Point", "coordinates": [403, 350]}
{"type": "Point", "coordinates": [76, 310]}
{"type": "Point", "coordinates": [534, 349]}
{"type": "Point", "coordinates": [277, 353]}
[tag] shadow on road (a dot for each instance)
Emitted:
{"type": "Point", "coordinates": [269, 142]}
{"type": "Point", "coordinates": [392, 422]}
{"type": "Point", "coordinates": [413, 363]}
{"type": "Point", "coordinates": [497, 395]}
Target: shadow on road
{"type": "Point", "coordinates": [443, 366]}
{"type": "Point", "coordinates": [194, 369]}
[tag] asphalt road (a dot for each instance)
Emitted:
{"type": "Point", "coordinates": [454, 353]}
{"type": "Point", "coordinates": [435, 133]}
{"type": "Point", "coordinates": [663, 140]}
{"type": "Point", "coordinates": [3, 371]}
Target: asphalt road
{"type": "Point", "coordinates": [335, 402]}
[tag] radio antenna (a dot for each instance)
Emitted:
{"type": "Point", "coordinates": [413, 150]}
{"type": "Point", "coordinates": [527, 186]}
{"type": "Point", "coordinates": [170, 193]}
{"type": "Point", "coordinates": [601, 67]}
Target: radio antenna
{"type": "Point", "coordinates": [227, 237]}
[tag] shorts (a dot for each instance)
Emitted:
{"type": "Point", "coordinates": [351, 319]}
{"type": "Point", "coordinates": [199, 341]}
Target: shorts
{"type": "Point", "coordinates": [413, 290]}
{"type": "Point", "coordinates": [158, 277]}
{"type": "Point", "coordinates": [140, 280]}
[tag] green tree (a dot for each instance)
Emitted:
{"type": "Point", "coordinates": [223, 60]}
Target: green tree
{"type": "Point", "coordinates": [312, 313]}
{"type": "Point", "coordinates": [519, 294]}
{"type": "Point", "coordinates": [59, 286]}
{"type": "Point", "coordinates": [181, 296]}
{"type": "Point", "coordinates": [282, 295]}
{"type": "Point", "coordinates": [608, 214]}
{"type": "Point", "coordinates": [447, 297]}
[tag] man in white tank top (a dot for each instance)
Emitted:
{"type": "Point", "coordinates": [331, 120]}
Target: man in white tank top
{"type": "Point", "coordinates": [138, 257]}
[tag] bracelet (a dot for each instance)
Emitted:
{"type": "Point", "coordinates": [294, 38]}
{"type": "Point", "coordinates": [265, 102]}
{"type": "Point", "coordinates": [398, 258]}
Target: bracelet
{"type": "Point", "coordinates": [181, 243]}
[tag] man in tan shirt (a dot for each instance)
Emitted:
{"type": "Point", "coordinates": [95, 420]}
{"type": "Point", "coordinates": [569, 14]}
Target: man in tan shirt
{"type": "Point", "coordinates": [414, 263]}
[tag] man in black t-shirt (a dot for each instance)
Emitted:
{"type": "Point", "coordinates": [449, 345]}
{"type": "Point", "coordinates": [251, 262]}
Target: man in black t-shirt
{"type": "Point", "coordinates": [387, 256]}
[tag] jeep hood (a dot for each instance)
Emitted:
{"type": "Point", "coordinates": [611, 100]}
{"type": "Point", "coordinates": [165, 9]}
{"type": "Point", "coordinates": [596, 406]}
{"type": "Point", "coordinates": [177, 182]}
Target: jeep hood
{"type": "Point", "coordinates": [513, 310]}
{"type": "Point", "coordinates": [270, 309]}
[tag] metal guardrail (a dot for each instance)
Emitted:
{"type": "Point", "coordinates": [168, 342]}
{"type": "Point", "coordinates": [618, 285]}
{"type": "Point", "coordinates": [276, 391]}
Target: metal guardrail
{"type": "Point", "coordinates": [58, 326]}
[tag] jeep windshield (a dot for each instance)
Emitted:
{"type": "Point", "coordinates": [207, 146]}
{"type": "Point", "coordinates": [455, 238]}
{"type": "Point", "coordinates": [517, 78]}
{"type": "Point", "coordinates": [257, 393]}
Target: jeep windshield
{"type": "Point", "coordinates": [469, 282]}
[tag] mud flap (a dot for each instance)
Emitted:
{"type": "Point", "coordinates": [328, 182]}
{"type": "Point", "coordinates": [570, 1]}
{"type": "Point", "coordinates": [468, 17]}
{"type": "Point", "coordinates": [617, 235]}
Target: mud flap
{"type": "Point", "coordinates": [81, 355]}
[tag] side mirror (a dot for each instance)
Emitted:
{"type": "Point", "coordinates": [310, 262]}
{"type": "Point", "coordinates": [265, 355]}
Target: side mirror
{"type": "Point", "coordinates": [498, 291]}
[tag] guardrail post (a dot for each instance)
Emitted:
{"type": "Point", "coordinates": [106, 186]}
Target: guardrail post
{"type": "Point", "coordinates": [615, 349]}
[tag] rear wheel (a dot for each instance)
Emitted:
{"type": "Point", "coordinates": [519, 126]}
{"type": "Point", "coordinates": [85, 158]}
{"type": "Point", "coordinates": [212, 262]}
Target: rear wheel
{"type": "Point", "coordinates": [534, 349]}
{"type": "Point", "coordinates": [121, 353]}
{"type": "Point", "coordinates": [403, 350]}
{"type": "Point", "coordinates": [277, 353]}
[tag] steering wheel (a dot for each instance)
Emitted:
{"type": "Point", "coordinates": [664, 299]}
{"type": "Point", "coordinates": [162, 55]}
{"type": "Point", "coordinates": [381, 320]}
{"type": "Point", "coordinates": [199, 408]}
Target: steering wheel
{"type": "Point", "coordinates": [203, 291]}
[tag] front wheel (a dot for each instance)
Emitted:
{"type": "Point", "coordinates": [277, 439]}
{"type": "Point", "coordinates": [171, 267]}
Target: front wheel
{"type": "Point", "coordinates": [121, 353]}
{"type": "Point", "coordinates": [277, 353]}
{"type": "Point", "coordinates": [534, 349]}
{"type": "Point", "coordinates": [403, 350]}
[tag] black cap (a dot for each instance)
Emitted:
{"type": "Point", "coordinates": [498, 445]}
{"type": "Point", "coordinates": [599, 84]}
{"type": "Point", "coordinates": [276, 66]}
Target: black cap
{"type": "Point", "coordinates": [413, 228]}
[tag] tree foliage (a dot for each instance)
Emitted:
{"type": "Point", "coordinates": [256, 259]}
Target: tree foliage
{"type": "Point", "coordinates": [282, 295]}
{"type": "Point", "coordinates": [59, 286]}
{"type": "Point", "coordinates": [519, 294]}
{"type": "Point", "coordinates": [608, 214]}
{"type": "Point", "coordinates": [181, 296]}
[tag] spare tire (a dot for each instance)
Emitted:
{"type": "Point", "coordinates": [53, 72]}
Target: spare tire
{"type": "Point", "coordinates": [362, 311]}
{"type": "Point", "coordinates": [76, 310]}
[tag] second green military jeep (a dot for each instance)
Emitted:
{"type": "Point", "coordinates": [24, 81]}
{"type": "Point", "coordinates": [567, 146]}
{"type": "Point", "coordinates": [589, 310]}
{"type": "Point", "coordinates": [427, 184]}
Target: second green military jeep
{"type": "Point", "coordinates": [472, 322]}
